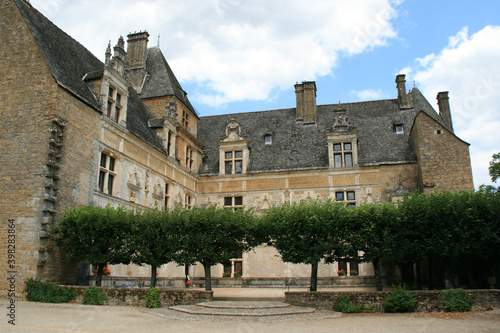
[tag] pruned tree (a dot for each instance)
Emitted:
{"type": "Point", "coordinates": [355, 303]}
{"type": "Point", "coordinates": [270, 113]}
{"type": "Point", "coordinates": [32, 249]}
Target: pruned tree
{"type": "Point", "coordinates": [306, 232]}
{"type": "Point", "coordinates": [212, 235]}
{"type": "Point", "coordinates": [372, 232]}
{"type": "Point", "coordinates": [155, 239]}
{"type": "Point", "coordinates": [95, 234]}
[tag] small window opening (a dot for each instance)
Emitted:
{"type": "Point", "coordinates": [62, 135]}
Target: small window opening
{"type": "Point", "coordinates": [399, 129]}
{"type": "Point", "coordinates": [268, 139]}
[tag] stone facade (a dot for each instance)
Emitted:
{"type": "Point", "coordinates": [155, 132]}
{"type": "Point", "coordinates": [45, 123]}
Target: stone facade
{"type": "Point", "coordinates": [123, 132]}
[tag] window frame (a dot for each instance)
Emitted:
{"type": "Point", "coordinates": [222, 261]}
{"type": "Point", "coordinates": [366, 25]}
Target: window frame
{"type": "Point", "coordinates": [235, 162]}
{"type": "Point", "coordinates": [107, 173]}
{"type": "Point", "coordinates": [114, 104]}
{"type": "Point", "coordinates": [236, 202]}
{"type": "Point", "coordinates": [346, 196]}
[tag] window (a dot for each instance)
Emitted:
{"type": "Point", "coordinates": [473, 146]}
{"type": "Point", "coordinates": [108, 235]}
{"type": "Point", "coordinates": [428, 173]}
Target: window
{"type": "Point", "coordinates": [187, 201]}
{"type": "Point", "coordinates": [347, 268]}
{"type": "Point", "coordinates": [106, 173]}
{"type": "Point", "coordinates": [399, 129]}
{"type": "Point", "coordinates": [189, 158]}
{"type": "Point", "coordinates": [233, 202]}
{"type": "Point", "coordinates": [268, 139]}
{"type": "Point", "coordinates": [234, 267]}
{"type": "Point", "coordinates": [185, 119]}
{"type": "Point", "coordinates": [348, 196]}
{"type": "Point", "coordinates": [167, 195]}
{"type": "Point", "coordinates": [114, 104]}
{"type": "Point", "coordinates": [233, 162]}
{"type": "Point", "coordinates": [342, 154]}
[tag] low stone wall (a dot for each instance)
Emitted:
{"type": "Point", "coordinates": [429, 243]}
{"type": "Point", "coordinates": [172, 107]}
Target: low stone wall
{"type": "Point", "coordinates": [135, 296]}
{"type": "Point", "coordinates": [143, 282]}
{"type": "Point", "coordinates": [427, 300]}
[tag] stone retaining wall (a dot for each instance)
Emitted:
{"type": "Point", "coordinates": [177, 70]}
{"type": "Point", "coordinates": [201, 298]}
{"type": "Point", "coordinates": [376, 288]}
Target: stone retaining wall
{"type": "Point", "coordinates": [274, 282]}
{"type": "Point", "coordinates": [135, 296]}
{"type": "Point", "coordinates": [427, 300]}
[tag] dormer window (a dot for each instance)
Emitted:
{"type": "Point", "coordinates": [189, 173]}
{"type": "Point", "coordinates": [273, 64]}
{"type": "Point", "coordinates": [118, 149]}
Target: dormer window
{"type": "Point", "coordinates": [399, 129]}
{"type": "Point", "coordinates": [343, 149]}
{"type": "Point", "coordinates": [233, 162]}
{"type": "Point", "coordinates": [114, 109]}
{"type": "Point", "coordinates": [268, 139]}
{"type": "Point", "coordinates": [342, 154]}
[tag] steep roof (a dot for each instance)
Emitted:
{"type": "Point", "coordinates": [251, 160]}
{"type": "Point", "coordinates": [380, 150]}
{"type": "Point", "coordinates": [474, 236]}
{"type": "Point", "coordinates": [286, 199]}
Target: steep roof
{"type": "Point", "coordinates": [69, 62]}
{"type": "Point", "coordinates": [295, 146]}
{"type": "Point", "coordinates": [67, 59]}
{"type": "Point", "coordinates": [161, 80]}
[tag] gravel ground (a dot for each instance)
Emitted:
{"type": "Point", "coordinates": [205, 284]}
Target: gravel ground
{"type": "Point", "coordinates": [39, 317]}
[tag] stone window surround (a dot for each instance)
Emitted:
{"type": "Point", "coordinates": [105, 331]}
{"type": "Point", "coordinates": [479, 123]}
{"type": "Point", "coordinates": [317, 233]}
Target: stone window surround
{"type": "Point", "coordinates": [105, 171]}
{"type": "Point", "coordinates": [188, 200]}
{"type": "Point", "coordinates": [226, 147]}
{"type": "Point", "coordinates": [346, 195]}
{"type": "Point", "coordinates": [342, 138]}
{"type": "Point", "coordinates": [236, 201]}
{"type": "Point", "coordinates": [112, 80]}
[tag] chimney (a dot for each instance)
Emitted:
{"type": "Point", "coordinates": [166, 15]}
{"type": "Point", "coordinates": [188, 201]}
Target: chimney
{"type": "Point", "coordinates": [137, 51]}
{"type": "Point", "coordinates": [444, 108]}
{"type": "Point", "coordinates": [305, 94]}
{"type": "Point", "coordinates": [401, 87]}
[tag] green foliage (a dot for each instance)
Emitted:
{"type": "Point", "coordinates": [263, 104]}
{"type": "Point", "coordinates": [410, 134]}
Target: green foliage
{"type": "Point", "coordinates": [212, 235]}
{"type": "Point", "coordinates": [95, 234]}
{"type": "Point", "coordinates": [455, 300]}
{"type": "Point", "coordinates": [306, 232]}
{"type": "Point", "coordinates": [153, 298]}
{"type": "Point", "coordinates": [47, 292]}
{"type": "Point", "coordinates": [94, 296]}
{"type": "Point", "coordinates": [400, 300]}
{"type": "Point", "coordinates": [343, 304]}
{"type": "Point", "coordinates": [155, 238]}
{"type": "Point", "coordinates": [494, 168]}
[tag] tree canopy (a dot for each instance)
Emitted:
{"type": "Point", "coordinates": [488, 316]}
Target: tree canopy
{"type": "Point", "coordinates": [494, 168]}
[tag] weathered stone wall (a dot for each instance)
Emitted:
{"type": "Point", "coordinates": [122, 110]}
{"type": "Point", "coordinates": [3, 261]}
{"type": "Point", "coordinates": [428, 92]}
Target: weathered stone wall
{"type": "Point", "coordinates": [46, 135]}
{"type": "Point", "coordinates": [444, 159]}
{"type": "Point", "coordinates": [427, 300]}
{"type": "Point", "coordinates": [136, 296]}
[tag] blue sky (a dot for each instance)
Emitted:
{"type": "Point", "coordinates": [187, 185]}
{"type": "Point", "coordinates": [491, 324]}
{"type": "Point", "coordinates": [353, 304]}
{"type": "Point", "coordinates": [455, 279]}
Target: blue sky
{"type": "Point", "coordinates": [236, 56]}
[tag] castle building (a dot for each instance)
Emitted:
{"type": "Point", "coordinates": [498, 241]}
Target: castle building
{"type": "Point", "coordinates": [77, 131]}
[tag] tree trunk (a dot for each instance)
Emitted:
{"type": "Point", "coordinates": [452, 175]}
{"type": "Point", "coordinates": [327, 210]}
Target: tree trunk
{"type": "Point", "coordinates": [378, 275]}
{"type": "Point", "coordinates": [314, 276]}
{"type": "Point", "coordinates": [100, 271]}
{"type": "Point", "coordinates": [208, 276]}
{"type": "Point", "coordinates": [153, 276]}
{"type": "Point", "coordinates": [431, 269]}
{"type": "Point", "coordinates": [419, 274]}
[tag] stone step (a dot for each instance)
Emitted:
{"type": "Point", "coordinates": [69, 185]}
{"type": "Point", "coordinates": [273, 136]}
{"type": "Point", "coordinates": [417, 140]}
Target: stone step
{"type": "Point", "coordinates": [242, 308]}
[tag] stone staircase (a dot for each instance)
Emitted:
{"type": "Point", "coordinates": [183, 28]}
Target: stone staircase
{"type": "Point", "coordinates": [242, 310]}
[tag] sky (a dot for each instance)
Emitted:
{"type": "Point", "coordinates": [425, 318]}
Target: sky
{"type": "Point", "coordinates": [234, 56]}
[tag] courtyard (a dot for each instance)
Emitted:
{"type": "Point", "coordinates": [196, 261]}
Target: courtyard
{"type": "Point", "coordinates": [40, 317]}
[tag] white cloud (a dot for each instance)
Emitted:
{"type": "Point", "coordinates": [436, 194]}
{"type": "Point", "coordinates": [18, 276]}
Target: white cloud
{"type": "Point", "coordinates": [369, 94]}
{"type": "Point", "coordinates": [240, 50]}
{"type": "Point", "coordinates": [469, 68]}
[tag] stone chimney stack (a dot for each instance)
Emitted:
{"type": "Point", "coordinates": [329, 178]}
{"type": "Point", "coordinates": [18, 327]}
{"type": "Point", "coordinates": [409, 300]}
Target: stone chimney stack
{"type": "Point", "coordinates": [404, 101]}
{"type": "Point", "coordinates": [444, 108]}
{"type": "Point", "coordinates": [305, 94]}
{"type": "Point", "coordinates": [137, 51]}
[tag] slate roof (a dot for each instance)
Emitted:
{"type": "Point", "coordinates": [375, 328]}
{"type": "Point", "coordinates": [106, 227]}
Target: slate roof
{"type": "Point", "coordinates": [295, 146]}
{"type": "Point", "coordinates": [161, 80]}
{"type": "Point", "coordinates": [69, 62]}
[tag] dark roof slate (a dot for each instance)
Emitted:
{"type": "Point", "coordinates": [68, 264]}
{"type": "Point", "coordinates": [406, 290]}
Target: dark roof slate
{"type": "Point", "coordinates": [161, 80]}
{"type": "Point", "coordinates": [67, 59]}
{"type": "Point", "coordinates": [70, 62]}
{"type": "Point", "coordinates": [295, 146]}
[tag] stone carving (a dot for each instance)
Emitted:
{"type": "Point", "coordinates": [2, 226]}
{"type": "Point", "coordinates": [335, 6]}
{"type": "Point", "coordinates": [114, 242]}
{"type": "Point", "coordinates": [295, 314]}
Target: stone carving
{"type": "Point", "coordinates": [132, 197]}
{"type": "Point", "coordinates": [233, 131]}
{"type": "Point", "coordinates": [146, 182]}
{"type": "Point", "coordinates": [341, 122]}
{"type": "Point", "coordinates": [133, 181]}
{"type": "Point", "coordinates": [157, 190]}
